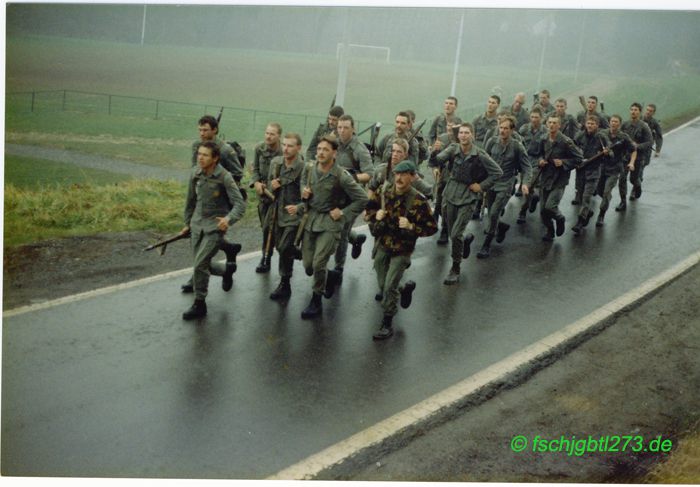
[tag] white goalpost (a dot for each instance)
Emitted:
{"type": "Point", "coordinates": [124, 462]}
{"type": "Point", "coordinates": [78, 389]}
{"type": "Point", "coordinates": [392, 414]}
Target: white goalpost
{"type": "Point", "coordinates": [373, 52]}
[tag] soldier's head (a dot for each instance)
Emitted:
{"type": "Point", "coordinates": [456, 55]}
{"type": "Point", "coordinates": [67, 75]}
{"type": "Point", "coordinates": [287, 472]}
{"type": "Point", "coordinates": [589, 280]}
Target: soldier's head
{"type": "Point", "coordinates": [450, 105]}
{"type": "Point", "coordinates": [615, 122]}
{"type": "Point", "coordinates": [536, 117]}
{"type": "Point", "coordinates": [404, 174]}
{"type": "Point", "coordinates": [506, 127]}
{"type": "Point", "coordinates": [544, 98]}
{"type": "Point", "coordinates": [291, 145]}
{"type": "Point", "coordinates": [635, 110]}
{"type": "Point", "coordinates": [326, 148]}
{"type": "Point", "coordinates": [650, 110]}
{"type": "Point", "coordinates": [518, 101]}
{"type": "Point", "coordinates": [553, 124]}
{"type": "Point", "coordinates": [592, 123]}
{"type": "Point", "coordinates": [208, 128]}
{"type": "Point", "coordinates": [273, 131]}
{"type": "Point", "coordinates": [401, 123]}
{"type": "Point", "coordinates": [560, 106]}
{"type": "Point", "coordinates": [492, 104]}
{"type": "Point", "coordinates": [465, 134]}
{"type": "Point", "coordinates": [333, 115]}
{"type": "Point", "coordinates": [399, 151]}
{"type": "Point", "coordinates": [208, 154]}
{"type": "Point", "coordinates": [346, 127]}
{"type": "Point", "coordinates": [592, 103]}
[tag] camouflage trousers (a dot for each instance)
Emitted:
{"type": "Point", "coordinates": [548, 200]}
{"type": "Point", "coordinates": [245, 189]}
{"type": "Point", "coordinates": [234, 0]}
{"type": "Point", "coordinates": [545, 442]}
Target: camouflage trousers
{"type": "Point", "coordinates": [316, 251]}
{"type": "Point", "coordinates": [390, 269]}
{"type": "Point", "coordinates": [457, 218]}
{"type": "Point", "coordinates": [204, 247]}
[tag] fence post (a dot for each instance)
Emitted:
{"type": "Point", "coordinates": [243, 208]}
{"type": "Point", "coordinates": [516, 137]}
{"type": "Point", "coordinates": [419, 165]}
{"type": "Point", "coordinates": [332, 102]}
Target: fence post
{"type": "Point", "coordinates": [109, 105]}
{"type": "Point", "coordinates": [32, 108]}
{"type": "Point", "coordinates": [63, 104]}
{"type": "Point", "coordinates": [157, 106]}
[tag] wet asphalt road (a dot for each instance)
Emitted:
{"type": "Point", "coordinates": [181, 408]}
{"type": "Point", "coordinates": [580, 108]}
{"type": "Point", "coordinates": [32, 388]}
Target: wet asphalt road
{"type": "Point", "coordinates": [118, 385]}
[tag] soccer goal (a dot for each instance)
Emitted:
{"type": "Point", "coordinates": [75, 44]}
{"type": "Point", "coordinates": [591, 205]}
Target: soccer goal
{"type": "Point", "coordinates": [381, 53]}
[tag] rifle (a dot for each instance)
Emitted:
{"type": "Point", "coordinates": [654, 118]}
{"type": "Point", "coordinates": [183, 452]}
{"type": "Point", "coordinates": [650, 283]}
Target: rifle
{"type": "Point", "coordinates": [597, 155]}
{"type": "Point", "coordinates": [373, 139]}
{"type": "Point", "coordinates": [266, 192]}
{"type": "Point", "coordinates": [333, 102]}
{"type": "Point", "coordinates": [218, 117]}
{"type": "Point", "coordinates": [164, 243]}
{"type": "Point", "coordinates": [273, 222]}
{"type": "Point", "coordinates": [302, 224]}
{"type": "Point", "coordinates": [415, 132]}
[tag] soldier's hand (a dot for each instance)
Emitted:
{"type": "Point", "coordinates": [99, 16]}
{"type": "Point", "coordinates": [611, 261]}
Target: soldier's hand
{"type": "Point", "coordinates": [336, 214]}
{"type": "Point", "coordinates": [291, 209]}
{"type": "Point", "coordinates": [185, 230]}
{"type": "Point", "coordinates": [630, 167]}
{"type": "Point", "coordinates": [275, 184]}
{"type": "Point", "coordinates": [542, 163]}
{"type": "Point", "coordinates": [475, 187]}
{"type": "Point", "coordinates": [222, 223]}
{"type": "Point", "coordinates": [558, 162]}
{"type": "Point", "coordinates": [436, 174]}
{"type": "Point", "coordinates": [405, 224]}
{"type": "Point", "coordinates": [524, 189]}
{"type": "Point", "coordinates": [437, 145]}
{"type": "Point", "coordinates": [606, 151]}
{"type": "Point", "coordinates": [258, 187]}
{"type": "Point", "coordinates": [306, 193]}
{"type": "Point", "coordinates": [380, 215]}
{"type": "Point", "coordinates": [656, 154]}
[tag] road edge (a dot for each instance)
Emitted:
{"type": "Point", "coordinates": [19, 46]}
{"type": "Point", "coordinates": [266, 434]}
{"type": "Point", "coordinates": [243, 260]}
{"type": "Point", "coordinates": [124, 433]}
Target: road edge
{"type": "Point", "coordinates": [341, 459]}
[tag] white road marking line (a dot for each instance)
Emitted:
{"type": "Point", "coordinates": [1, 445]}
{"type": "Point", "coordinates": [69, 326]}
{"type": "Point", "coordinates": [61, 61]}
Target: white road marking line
{"type": "Point", "coordinates": [496, 373]}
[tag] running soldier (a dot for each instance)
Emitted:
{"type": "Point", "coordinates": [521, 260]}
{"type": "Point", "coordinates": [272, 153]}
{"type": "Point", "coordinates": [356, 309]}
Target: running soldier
{"type": "Point", "coordinates": [441, 122]}
{"type": "Point", "coordinates": [397, 217]}
{"type": "Point", "coordinates": [592, 109]}
{"type": "Point", "coordinates": [328, 128]}
{"type": "Point", "coordinates": [486, 120]}
{"type": "Point", "coordinates": [264, 153]}
{"type": "Point", "coordinates": [330, 198]}
{"type": "Point", "coordinates": [640, 133]}
{"type": "Point", "coordinates": [401, 131]}
{"type": "Point", "coordinates": [469, 172]}
{"type": "Point", "coordinates": [440, 177]}
{"type": "Point", "coordinates": [531, 133]}
{"type": "Point", "coordinates": [214, 203]}
{"type": "Point", "coordinates": [655, 128]}
{"type": "Point", "coordinates": [285, 183]}
{"type": "Point", "coordinates": [623, 159]}
{"type": "Point", "coordinates": [569, 126]}
{"type": "Point", "coordinates": [385, 172]}
{"type": "Point", "coordinates": [423, 150]}
{"type": "Point", "coordinates": [518, 110]}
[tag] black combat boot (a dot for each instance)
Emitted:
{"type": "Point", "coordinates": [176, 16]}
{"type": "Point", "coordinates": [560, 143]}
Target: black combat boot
{"type": "Point", "coordinates": [198, 310]}
{"type": "Point", "coordinates": [264, 265]}
{"type": "Point", "coordinates": [453, 276]}
{"type": "Point", "coordinates": [187, 287]}
{"type": "Point", "coordinates": [534, 199]}
{"type": "Point", "coordinates": [519, 191]}
{"type": "Point", "coordinates": [333, 278]}
{"type": "Point", "coordinates": [443, 238]}
{"type": "Point", "coordinates": [314, 308]}
{"type": "Point", "coordinates": [467, 245]}
{"type": "Point", "coordinates": [601, 217]}
{"type": "Point", "coordinates": [549, 231]}
{"type": "Point", "coordinates": [231, 250]}
{"type": "Point", "coordinates": [357, 245]}
{"type": "Point", "coordinates": [227, 278]}
{"type": "Point", "coordinates": [283, 291]}
{"type": "Point", "coordinates": [485, 248]}
{"type": "Point", "coordinates": [579, 225]}
{"type": "Point", "coordinates": [477, 210]}
{"type": "Point", "coordinates": [560, 221]}
{"type": "Point", "coordinates": [501, 231]}
{"type": "Point", "coordinates": [386, 329]}
{"type": "Point", "coordinates": [521, 217]}
{"type": "Point", "coordinates": [406, 292]}
{"type": "Point", "coordinates": [379, 296]}
{"type": "Point", "coordinates": [622, 206]}
{"type": "Point", "coordinates": [577, 199]}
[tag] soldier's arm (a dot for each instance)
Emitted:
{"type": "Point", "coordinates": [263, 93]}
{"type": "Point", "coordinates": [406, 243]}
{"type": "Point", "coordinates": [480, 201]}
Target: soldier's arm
{"type": "Point", "coordinates": [575, 156]}
{"type": "Point", "coordinates": [647, 138]}
{"type": "Point", "coordinates": [525, 164]}
{"type": "Point", "coordinates": [257, 175]}
{"type": "Point", "coordinates": [235, 198]}
{"type": "Point", "coordinates": [357, 195]}
{"type": "Point", "coordinates": [365, 159]}
{"type": "Point", "coordinates": [439, 159]}
{"type": "Point", "coordinates": [492, 168]}
{"type": "Point", "coordinates": [422, 187]}
{"type": "Point", "coordinates": [191, 200]}
{"type": "Point", "coordinates": [433, 132]}
{"type": "Point", "coordinates": [413, 151]}
{"type": "Point", "coordinates": [422, 218]}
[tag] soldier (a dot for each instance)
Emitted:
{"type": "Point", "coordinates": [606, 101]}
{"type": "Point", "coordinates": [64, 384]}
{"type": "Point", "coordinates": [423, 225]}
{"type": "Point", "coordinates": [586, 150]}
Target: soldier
{"type": "Point", "coordinates": [401, 130]}
{"type": "Point", "coordinates": [385, 171]}
{"type": "Point", "coordinates": [397, 217]}
{"type": "Point", "coordinates": [354, 157]}
{"type": "Point", "coordinates": [543, 102]}
{"type": "Point", "coordinates": [333, 197]}
{"type": "Point", "coordinates": [531, 133]}
{"type": "Point", "coordinates": [285, 182]}
{"type": "Point", "coordinates": [512, 158]}
{"type": "Point", "coordinates": [487, 120]}
{"type": "Point", "coordinates": [655, 128]}
{"type": "Point", "coordinates": [440, 177]}
{"type": "Point", "coordinates": [264, 153]}
{"type": "Point", "coordinates": [518, 110]}
{"type": "Point", "coordinates": [324, 129]}
{"type": "Point", "coordinates": [623, 158]}
{"type": "Point", "coordinates": [470, 171]}
{"type": "Point", "coordinates": [423, 151]}
{"type": "Point", "coordinates": [228, 160]}
{"type": "Point", "coordinates": [559, 156]}
{"type": "Point", "coordinates": [440, 123]}
{"type": "Point", "coordinates": [640, 133]}
{"type": "Point", "coordinates": [592, 109]}
{"type": "Point", "coordinates": [569, 126]}
{"type": "Point", "coordinates": [591, 141]}
{"type": "Point", "coordinates": [214, 203]}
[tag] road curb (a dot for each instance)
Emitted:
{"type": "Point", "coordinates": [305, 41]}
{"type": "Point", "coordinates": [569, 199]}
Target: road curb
{"type": "Point", "coordinates": [342, 459]}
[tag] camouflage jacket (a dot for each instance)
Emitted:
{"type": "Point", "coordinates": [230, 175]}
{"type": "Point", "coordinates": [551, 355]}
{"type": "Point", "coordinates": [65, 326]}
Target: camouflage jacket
{"type": "Point", "coordinates": [411, 205]}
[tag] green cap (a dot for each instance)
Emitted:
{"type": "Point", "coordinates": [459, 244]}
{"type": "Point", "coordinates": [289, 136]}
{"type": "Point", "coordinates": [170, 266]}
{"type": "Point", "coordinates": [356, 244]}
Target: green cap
{"type": "Point", "coordinates": [405, 166]}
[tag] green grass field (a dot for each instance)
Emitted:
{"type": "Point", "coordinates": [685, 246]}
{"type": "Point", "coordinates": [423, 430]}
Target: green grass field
{"type": "Point", "coordinates": [31, 173]}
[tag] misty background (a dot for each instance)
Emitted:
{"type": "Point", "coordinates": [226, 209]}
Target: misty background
{"type": "Point", "coordinates": [633, 42]}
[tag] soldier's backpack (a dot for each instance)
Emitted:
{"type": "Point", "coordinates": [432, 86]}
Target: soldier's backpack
{"type": "Point", "coordinates": [240, 152]}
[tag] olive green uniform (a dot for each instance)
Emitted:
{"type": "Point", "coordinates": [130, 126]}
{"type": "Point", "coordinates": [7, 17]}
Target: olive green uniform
{"type": "Point", "coordinates": [322, 130]}
{"type": "Point", "coordinates": [383, 153]}
{"type": "Point", "coordinates": [590, 144]}
{"type": "Point", "coordinates": [640, 133]}
{"type": "Point", "coordinates": [482, 124]}
{"type": "Point", "coordinates": [227, 160]}
{"type": "Point", "coordinates": [439, 127]}
{"type": "Point", "coordinates": [612, 167]}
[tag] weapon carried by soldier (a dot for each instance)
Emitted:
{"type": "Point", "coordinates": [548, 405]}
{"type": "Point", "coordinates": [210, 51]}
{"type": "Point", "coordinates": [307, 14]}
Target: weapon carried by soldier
{"type": "Point", "coordinates": [273, 221]}
{"type": "Point", "coordinates": [161, 245]}
{"type": "Point", "coordinates": [598, 155]}
{"type": "Point", "coordinates": [305, 216]}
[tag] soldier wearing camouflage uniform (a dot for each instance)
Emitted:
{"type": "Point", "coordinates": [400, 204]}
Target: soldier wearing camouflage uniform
{"type": "Point", "coordinates": [512, 158]}
{"type": "Point", "coordinates": [470, 171]}
{"type": "Point", "coordinates": [440, 123]}
{"type": "Point", "coordinates": [333, 197]}
{"type": "Point", "coordinates": [324, 129]}
{"type": "Point", "coordinates": [397, 217]}
{"type": "Point", "coordinates": [559, 156]}
{"type": "Point", "coordinates": [624, 157]}
{"type": "Point", "coordinates": [264, 153]}
{"type": "Point", "coordinates": [640, 133]}
{"type": "Point", "coordinates": [214, 203]}
{"type": "Point", "coordinates": [402, 123]}
{"type": "Point", "coordinates": [353, 156]}
{"type": "Point", "coordinates": [285, 183]}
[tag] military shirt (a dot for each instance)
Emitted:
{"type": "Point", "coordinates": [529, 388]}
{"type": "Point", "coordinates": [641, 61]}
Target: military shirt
{"type": "Point", "coordinates": [563, 148]}
{"type": "Point", "coordinates": [457, 190]}
{"type": "Point", "coordinates": [531, 139]}
{"type": "Point", "coordinates": [227, 160]}
{"type": "Point", "coordinates": [380, 177]}
{"type": "Point", "coordinates": [322, 130]}
{"type": "Point", "coordinates": [482, 124]}
{"type": "Point", "coordinates": [439, 127]}
{"type": "Point", "coordinates": [261, 161]}
{"type": "Point", "coordinates": [411, 205]}
{"type": "Point", "coordinates": [656, 133]}
{"type": "Point", "coordinates": [640, 133]}
{"type": "Point", "coordinates": [546, 111]}
{"type": "Point", "coordinates": [384, 149]}
{"type": "Point", "coordinates": [512, 159]}
{"type": "Point", "coordinates": [208, 197]}
{"type": "Point", "coordinates": [591, 145]}
{"type": "Point", "coordinates": [621, 156]}
{"type": "Point", "coordinates": [354, 157]}
{"type": "Point", "coordinates": [492, 133]}
{"type": "Point", "coordinates": [522, 116]}
{"type": "Point", "coordinates": [335, 189]}
{"type": "Point", "coordinates": [603, 119]}
{"type": "Point", "coordinates": [290, 191]}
